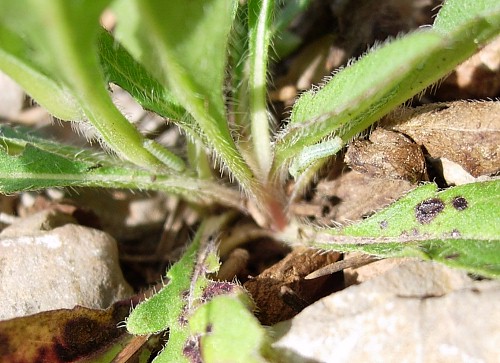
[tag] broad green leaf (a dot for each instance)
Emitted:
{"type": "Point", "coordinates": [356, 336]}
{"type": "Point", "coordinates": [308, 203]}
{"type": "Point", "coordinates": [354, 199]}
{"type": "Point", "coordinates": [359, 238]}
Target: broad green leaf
{"type": "Point", "coordinates": [67, 52]}
{"type": "Point", "coordinates": [184, 45]}
{"type": "Point", "coordinates": [196, 310]}
{"type": "Point", "coordinates": [362, 93]}
{"type": "Point", "coordinates": [31, 163]}
{"type": "Point", "coordinates": [459, 226]}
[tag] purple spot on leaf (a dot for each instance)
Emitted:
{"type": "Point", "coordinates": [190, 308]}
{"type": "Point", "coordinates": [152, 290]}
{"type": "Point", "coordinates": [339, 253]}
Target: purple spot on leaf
{"type": "Point", "coordinates": [459, 203]}
{"type": "Point", "coordinates": [427, 210]}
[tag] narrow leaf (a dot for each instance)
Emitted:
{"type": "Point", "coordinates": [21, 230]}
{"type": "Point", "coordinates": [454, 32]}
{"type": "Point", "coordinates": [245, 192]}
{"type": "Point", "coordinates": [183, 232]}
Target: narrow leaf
{"type": "Point", "coordinates": [260, 17]}
{"type": "Point", "coordinates": [67, 52]}
{"type": "Point", "coordinates": [184, 44]}
{"type": "Point", "coordinates": [196, 310]}
{"type": "Point", "coordinates": [31, 163]}
{"type": "Point", "coordinates": [360, 94]}
{"type": "Point", "coordinates": [121, 68]}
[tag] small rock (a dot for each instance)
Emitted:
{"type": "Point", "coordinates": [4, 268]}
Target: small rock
{"type": "Point", "coordinates": [417, 312]}
{"type": "Point", "coordinates": [69, 265]}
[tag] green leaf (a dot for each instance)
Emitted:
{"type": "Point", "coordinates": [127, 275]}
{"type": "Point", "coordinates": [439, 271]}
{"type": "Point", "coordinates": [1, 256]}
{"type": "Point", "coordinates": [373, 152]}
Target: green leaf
{"type": "Point", "coordinates": [456, 13]}
{"type": "Point", "coordinates": [119, 67]}
{"type": "Point", "coordinates": [184, 45]}
{"type": "Point", "coordinates": [229, 332]}
{"type": "Point", "coordinates": [66, 50]}
{"type": "Point", "coordinates": [362, 93]}
{"type": "Point", "coordinates": [16, 59]}
{"type": "Point", "coordinates": [30, 163]}
{"type": "Point", "coordinates": [259, 21]}
{"type": "Point", "coordinates": [198, 311]}
{"type": "Point", "coordinates": [458, 226]}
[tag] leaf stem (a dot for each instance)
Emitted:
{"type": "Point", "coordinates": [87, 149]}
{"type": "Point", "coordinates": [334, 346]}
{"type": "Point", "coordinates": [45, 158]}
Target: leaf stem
{"type": "Point", "coordinates": [259, 13]}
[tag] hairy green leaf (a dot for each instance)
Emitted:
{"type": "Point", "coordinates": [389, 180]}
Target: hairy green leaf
{"type": "Point", "coordinates": [234, 335]}
{"type": "Point", "coordinates": [30, 163]}
{"type": "Point", "coordinates": [121, 68]}
{"type": "Point", "coordinates": [16, 59]}
{"type": "Point", "coordinates": [458, 226]}
{"type": "Point", "coordinates": [66, 51]}
{"type": "Point", "coordinates": [360, 94]}
{"type": "Point", "coordinates": [259, 21]}
{"type": "Point", "coordinates": [196, 310]}
{"type": "Point", "coordinates": [187, 54]}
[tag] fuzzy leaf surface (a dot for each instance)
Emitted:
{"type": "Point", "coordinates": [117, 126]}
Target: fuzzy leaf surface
{"type": "Point", "coordinates": [66, 51]}
{"type": "Point", "coordinates": [459, 226]}
{"type": "Point", "coordinates": [121, 68]}
{"type": "Point", "coordinates": [196, 310]}
{"type": "Point", "coordinates": [360, 94]}
{"type": "Point", "coordinates": [28, 162]}
{"type": "Point", "coordinates": [187, 54]}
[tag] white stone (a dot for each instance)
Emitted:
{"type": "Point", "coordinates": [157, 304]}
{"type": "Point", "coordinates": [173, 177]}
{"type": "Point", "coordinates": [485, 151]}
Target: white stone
{"type": "Point", "coordinates": [59, 268]}
{"type": "Point", "coordinates": [417, 312]}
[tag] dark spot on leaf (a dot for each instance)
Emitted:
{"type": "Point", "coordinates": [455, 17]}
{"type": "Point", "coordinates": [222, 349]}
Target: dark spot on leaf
{"type": "Point", "coordinates": [383, 224]}
{"type": "Point", "coordinates": [81, 336]}
{"type": "Point", "coordinates": [209, 328]}
{"type": "Point", "coordinates": [452, 256]}
{"type": "Point", "coordinates": [456, 233]}
{"type": "Point", "coordinates": [427, 210]}
{"type": "Point", "coordinates": [192, 350]}
{"type": "Point", "coordinates": [183, 316]}
{"type": "Point", "coordinates": [459, 203]}
{"type": "Point", "coordinates": [216, 288]}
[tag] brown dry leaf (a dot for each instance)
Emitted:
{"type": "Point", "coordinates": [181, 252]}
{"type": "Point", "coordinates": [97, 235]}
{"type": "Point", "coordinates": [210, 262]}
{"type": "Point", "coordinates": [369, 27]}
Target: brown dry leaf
{"type": "Point", "coordinates": [349, 197]}
{"type": "Point", "coordinates": [478, 77]}
{"type": "Point", "coordinates": [281, 291]}
{"type": "Point", "coordinates": [387, 154]}
{"type": "Point", "coordinates": [467, 133]}
{"type": "Point", "coordinates": [307, 68]}
{"type": "Point", "coordinates": [62, 335]}
{"type": "Point", "coordinates": [80, 334]}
